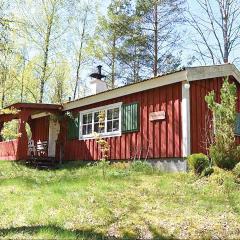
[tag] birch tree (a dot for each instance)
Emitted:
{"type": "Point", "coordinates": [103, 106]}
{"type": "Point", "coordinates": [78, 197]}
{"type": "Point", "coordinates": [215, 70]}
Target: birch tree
{"type": "Point", "coordinates": [216, 27]}
{"type": "Point", "coordinates": [80, 30]}
{"type": "Point", "coordinates": [44, 28]}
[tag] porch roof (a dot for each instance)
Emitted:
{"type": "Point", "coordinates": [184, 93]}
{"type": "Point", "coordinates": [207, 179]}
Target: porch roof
{"type": "Point", "coordinates": [29, 109]}
{"type": "Point", "coordinates": [36, 106]}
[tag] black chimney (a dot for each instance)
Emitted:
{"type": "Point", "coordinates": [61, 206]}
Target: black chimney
{"type": "Point", "coordinates": [98, 75]}
{"type": "Point", "coordinates": [99, 67]}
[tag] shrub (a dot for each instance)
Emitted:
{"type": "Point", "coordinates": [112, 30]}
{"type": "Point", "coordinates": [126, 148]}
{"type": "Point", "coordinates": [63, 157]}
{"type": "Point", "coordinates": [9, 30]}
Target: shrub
{"type": "Point", "coordinates": [223, 150]}
{"type": "Point", "coordinates": [236, 170]}
{"type": "Point", "coordinates": [141, 166]}
{"type": "Point", "coordinates": [198, 162]}
{"type": "Point", "coordinates": [226, 159]}
{"type": "Point", "coordinates": [207, 171]}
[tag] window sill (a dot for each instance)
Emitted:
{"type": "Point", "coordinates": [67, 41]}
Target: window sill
{"type": "Point", "coordinates": [89, 137]}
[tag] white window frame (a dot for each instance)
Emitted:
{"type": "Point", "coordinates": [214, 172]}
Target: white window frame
{"type": "Point", "coordinates": [93, 110]}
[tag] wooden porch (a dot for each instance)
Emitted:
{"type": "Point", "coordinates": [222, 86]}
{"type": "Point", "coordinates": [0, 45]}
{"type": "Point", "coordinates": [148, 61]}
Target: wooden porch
{"type": "Point", "coordinates": [42, 145]}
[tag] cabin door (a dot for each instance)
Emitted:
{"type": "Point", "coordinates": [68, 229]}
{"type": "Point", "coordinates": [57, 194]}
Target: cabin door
{"type": "Point", "coordinates": [54, 129]}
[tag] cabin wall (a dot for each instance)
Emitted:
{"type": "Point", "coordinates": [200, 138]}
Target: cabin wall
{"type": "Point", "coordinates": [40, 128]}
{"type": "Point", "coordinates": [201, 115]}
{"type": "Point", "coordinates": [158, 139]}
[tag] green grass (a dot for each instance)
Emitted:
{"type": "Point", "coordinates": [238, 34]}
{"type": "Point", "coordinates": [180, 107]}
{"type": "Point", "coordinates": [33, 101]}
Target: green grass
{"type": "Point", "coordinates": [75, 202]}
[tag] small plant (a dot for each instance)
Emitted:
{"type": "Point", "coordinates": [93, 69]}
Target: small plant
{"type": "Point", "coordinates": [198, 163]}
{"type": "Point", "coordinates": [236, 170]}
{"type": "Point", "coordinates": [141, 166]}
{"type": "Point", "coordinates": [104, 146]}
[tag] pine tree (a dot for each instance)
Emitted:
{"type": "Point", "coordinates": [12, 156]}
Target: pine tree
{"type": "Point", "coordinates": [158, 19]}
{"type": "Point", "coordinates": [110, 34]}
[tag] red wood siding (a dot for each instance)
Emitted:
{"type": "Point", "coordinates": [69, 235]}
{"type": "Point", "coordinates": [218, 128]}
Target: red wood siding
{"type": "Point", "coordinates": [200, 112]}
{"type": "Point", "coordinates": [40, 128]}
{"type": "Point", "coordinates": [156, 139]}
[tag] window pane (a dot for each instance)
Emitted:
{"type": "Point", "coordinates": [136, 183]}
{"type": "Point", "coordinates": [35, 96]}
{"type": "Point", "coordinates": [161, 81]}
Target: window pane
{"type": "Point", "coordinates": [89, 117]}
{"type": "Point", "coordinates": [115, 125]}
{"type": "Point", "coordinates": [84, 118]}
{"type": "Point", "coordinates": [109, 126]}
{"type": "Point", "coordinates": [84, 129]}
{"type": "Point", "coordinates": [109, 114]}
{"type": "Point", "coordinates": [96, 127]}
{"type": "Point", "coordinates": [115, 113]}
{"type": "Point", "coordinates": [96, 114]}
{"type": "Point", "coordinates": [89, 131]}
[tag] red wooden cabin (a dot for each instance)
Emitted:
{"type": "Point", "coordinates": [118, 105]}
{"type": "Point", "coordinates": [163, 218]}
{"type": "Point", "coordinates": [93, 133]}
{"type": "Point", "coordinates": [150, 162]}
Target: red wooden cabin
{"type": "Point", "coordinates": [162, 119]}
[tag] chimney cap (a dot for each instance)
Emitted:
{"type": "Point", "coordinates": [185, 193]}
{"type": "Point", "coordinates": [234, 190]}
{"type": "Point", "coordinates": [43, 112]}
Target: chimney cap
{"type": "Point", "coordinates": [99, 74]}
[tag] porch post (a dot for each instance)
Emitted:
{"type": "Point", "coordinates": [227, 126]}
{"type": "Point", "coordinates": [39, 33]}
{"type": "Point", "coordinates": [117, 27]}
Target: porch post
{"type": "Point", "coordinates": [1, 127]}
{"type": "Point", "coordinates": [23, 138]}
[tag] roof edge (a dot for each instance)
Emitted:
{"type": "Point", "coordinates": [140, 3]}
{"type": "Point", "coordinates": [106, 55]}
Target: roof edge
{"type": "Point", "coordinates": [159, 81]}
{"type": "Point", "coordinates": [213, 71]}
{"type": "Point", "coordinates": [188, 73]}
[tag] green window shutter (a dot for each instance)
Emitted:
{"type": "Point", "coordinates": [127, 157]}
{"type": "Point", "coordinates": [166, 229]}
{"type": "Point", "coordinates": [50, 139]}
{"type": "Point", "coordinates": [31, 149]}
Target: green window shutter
{"type": "Point", "coordinates": [130, 117]}
{"type": "Point", "coordinates": [73, 128]}
{"type": "Point", "coordinates": [237, 126]}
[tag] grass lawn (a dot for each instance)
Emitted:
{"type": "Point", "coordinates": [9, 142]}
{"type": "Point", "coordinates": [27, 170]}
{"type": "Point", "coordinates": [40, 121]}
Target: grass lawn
{"type": "Point", "coordinates": [75, 202]}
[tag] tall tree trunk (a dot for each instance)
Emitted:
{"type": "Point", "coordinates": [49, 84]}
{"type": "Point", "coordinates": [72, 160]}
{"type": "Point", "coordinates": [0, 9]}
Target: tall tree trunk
{"type": "Point", "coordinates": [80, 55]}
{"type": "Point", "coordinates": [135, 65]}
{"type": "Point", "coordinates": [113, 62]}
{"type": "Point", "coordinates": [46, 54]}
{"type": "Point", "coordinates": [225, 34]}
{"type": "Point", "coordinates": [155, 66]}
{"type": "Point", "coordinates": [22, 81]}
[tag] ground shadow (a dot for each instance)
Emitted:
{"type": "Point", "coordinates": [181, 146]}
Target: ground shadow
{"type": "Point", "coordinates": [60, 232]}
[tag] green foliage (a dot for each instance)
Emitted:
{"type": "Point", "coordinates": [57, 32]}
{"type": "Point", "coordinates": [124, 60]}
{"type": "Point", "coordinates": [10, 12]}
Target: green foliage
{"type": "Point", "coordinates": [121, 165]}
{"type": "Point", "coordinates": [225, 158]}
{"type": "Point", "coordinates": [223, 151]}
{"type": "Point", "coordinates": [103, 164]}
{"type": "Point", "coordinates": [236, 170]}
{"type": "Point", "coordinates": [208, 171]}
{"type": "Point", "coordinates": [220, 176]}
{"type": "Point", "coordinates": [142, 166]}
{"type": "Point", "coordinates": [10, 130]}
{"type": "Point", "coordinates": [198, 162]}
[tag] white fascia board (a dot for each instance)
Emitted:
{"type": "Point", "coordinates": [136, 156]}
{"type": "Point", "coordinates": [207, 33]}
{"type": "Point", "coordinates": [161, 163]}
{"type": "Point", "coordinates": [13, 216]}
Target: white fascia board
{"type": "Point", "coordinates": [40, 115]}
{"type": "Point", "coordinates": [126, 90]}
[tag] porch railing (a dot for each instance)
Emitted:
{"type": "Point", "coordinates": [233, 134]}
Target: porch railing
{"type": "Point", "coordinates": [8, 150]}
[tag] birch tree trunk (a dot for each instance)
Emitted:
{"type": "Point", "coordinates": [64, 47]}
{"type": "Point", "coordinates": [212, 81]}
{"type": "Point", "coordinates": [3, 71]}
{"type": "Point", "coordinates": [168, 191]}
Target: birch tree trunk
{"type": "Point", "coordinates": [79, 63]}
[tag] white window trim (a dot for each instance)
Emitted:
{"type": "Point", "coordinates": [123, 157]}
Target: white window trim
{"type": "Point", "coordinates": [92, 110]}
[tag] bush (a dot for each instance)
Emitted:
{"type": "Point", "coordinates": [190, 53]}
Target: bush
{"type": "Point", "coordinates": [198, 162]}
{"type": "Point", "coordinates": [236, 170]}
{"type": "Point", "coordinates": [141, 166]}
{"type": "Point", "coordinates": [225, 159]}
{"type": "Point", "coordinates": [207, 171]}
